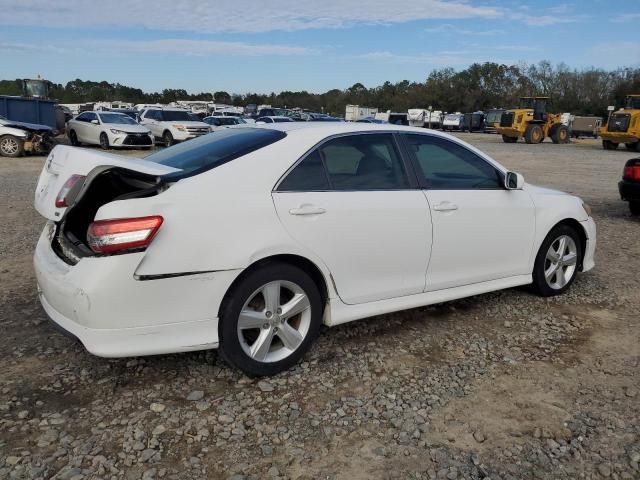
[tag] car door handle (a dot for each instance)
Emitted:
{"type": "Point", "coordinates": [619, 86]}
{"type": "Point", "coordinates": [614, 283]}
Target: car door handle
{"type": "Point", "coordinates": [445, 207]}
{"type": "Point", "coordinates": [307, 210]}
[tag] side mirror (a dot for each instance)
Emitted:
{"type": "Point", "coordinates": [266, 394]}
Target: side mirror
{"type": "Point", "coordinates": [513, 181]}
{"type": "Point", "coordinates": [95, 122]}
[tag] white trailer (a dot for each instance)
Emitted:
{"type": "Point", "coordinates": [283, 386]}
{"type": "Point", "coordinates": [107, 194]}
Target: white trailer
{"type": "Point", "coordinates": [417, 117]}
{"type": "Point", "coordinates": [353, 113]}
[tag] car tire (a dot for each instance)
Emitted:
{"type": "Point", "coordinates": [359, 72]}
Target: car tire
{"type": "Point", "coordinates": [609, 145]}
{"type": "Point", "coordinates": [557, 262]}
{"type": "Point", "coordinates": [254, 342]}
{"type": "Point", "coordinates": [634, 207]}
{"type": "Point", "coordinates": [533, 134]}
{"type": "Point", "coordinates": [167, 138]}
{"type": "Point", "coordinates": [104, 141]}
{"type": "Point", "coordinates": [508, 139]}
{"type": "Point", "coordinates": [11, 146]}
{"type": "Point", "coordinates": [73, 138]}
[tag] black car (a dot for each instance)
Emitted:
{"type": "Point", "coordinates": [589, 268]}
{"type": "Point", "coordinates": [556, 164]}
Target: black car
{"type": "Point", "coordinates": [629, 186]}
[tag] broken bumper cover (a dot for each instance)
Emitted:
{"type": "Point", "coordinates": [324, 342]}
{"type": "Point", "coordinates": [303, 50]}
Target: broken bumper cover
{"type": "Point", "coordinates": [588, 261]}
{"type": "Point", "coordinates": [100, 302]}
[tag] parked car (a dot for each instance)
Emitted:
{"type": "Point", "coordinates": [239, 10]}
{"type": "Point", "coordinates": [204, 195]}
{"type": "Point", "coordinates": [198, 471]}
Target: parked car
{"type": "Point", "coordinates": [274, 119]}
{"type": "Point", "coordinates": [172, 125]}
{"type": "Point", "coordinates": [17, 138]}
{"type": "Point", "coordinates": [220, 121]}
{"type": "Point", "coordinates": [629, 186]}
{"type": "Point", "coordinates": [109, 130]}
{"type": "Point", "coordinates": [173, 253]}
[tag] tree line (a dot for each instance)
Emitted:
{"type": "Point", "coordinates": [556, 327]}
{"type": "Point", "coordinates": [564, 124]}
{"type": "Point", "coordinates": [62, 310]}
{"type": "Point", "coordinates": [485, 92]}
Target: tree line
{"type": "Point", "coordinates": [479, 87]}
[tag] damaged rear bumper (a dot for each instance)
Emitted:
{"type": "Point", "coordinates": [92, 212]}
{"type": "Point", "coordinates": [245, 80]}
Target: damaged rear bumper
{"type": "Point", "coordinates": [99, 301]}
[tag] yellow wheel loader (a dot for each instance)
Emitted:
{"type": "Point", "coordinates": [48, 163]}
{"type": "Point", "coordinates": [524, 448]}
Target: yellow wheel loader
{"type": "Point", "coordinates": [531, 121]}
{"type": "Point", "coordinates": [623, 126]}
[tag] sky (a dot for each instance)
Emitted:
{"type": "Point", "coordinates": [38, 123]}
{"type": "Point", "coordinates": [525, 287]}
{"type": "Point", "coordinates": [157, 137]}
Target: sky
{"type": "Point", "coordinates": [262, 46]}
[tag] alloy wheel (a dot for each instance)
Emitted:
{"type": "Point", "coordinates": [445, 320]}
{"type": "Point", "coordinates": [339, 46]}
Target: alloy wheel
{"type": "Point", "coordinates": [274, 321]}
{"type": "Point", "coordinates": [9, 146]}
{"type": "Point", "coordinates": [561, 262]}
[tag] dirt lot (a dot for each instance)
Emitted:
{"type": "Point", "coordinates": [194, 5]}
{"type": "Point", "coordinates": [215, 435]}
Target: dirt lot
{"type": "Point", "coordinates": [505, 385]}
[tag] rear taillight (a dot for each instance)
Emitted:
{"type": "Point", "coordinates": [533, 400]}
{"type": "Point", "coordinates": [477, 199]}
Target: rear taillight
{"type": "Point", "coordinates": [63, 194]}
{"type": "Point", "coordinates": [109, 236]}
{"type": "Point", "coordinates": [632, 172]}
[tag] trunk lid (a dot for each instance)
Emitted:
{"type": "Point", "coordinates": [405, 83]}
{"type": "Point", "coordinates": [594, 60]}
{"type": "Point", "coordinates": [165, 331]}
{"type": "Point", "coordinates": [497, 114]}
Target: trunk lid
{"type": "Point", "coordinates": [64, 161]}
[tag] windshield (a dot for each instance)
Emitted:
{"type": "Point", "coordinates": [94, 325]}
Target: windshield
{"type": "Point", "coordinates": [281, 120]}
{"type": "Point", "coordinates": [633, 103]}
{"type": "Point", "coordinates": [214, 149]}
{"type": "Point", "coordinates": [116, 118]}
{"type": "Point", "coordinates": [177, 116]}
{"type": "Point", "coordinates": [494, 116]}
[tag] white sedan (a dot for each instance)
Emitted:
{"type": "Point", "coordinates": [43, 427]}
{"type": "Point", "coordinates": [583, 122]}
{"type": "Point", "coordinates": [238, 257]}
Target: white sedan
{"type": "Point", "coordinates": [108, 129]}
{"type": "Point", "coordinates": [249, 239]}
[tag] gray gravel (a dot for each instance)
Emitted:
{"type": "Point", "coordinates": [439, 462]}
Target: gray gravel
{"type": "Point", "coordinates": [501, 386]}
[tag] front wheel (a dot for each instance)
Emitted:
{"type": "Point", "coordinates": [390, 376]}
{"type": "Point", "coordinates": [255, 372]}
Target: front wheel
{"type": "Point", "coordinates": [533, 134]}
{"type": "Point", "coordinates": [508, 139]}
{"type": "Point", "coordinates": [609, 145]}
{"type": "Point", "coordinates": [270, 319]}
{"type": "Point", "coordinates": [634, 208]}
{"type": "Point", "coordinates": [11, 146]}
{"type": "Point", "coordinates": [104, 141]}
{"type": "Point", "coordinates": [73, 137]}
{"type": "Point", "coordinates": [556, 264]}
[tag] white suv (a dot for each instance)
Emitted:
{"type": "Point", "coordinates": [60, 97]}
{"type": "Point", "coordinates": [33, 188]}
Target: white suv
{"type": "Point", "coordinates": [171, 125]}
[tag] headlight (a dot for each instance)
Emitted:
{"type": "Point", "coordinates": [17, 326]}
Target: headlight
{"type": "Point", "coordinates": [179, 127]}
{"type": "Point", "coordinates": [116, 132]}
{"type": "Point", "coordinates": [586, 208]}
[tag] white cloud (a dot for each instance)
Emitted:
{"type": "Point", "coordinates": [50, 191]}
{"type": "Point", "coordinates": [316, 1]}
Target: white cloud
{"type": "Point", "coordinates": [225, 16]}
{"type": "Point", "coordinates": [626, 17]}
{"type": "Point", "coordinates": [447, 28]}
{"type": "Point", "coordinates": [160, 47]}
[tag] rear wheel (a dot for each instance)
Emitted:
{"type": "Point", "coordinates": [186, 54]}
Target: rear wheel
{"type": "Point", "coordinates": [634, 208]}
{"type": "Point", "coordinates": [73, 137]}
{"type": "Point", "coordinates": [533, 134]}
{"type": "Point", "coordinates": [104, 141]}
{"type": "Point", "coordinates": [270, 319]}
{"type": "Point", "coordinates": [167, 138]}
{"type": "Point", "coordinates": [560, 134]}
{"type": "Point", "coordinates": [635, 146]}
{"type": "Point", "coordinates": [508, 139]}
{"type": "Point", "coordinates": [609, 145]}
{"type": "Point", "coordinates": [556, 264]}
{"type": "Point", "coordinates": [11, 146]}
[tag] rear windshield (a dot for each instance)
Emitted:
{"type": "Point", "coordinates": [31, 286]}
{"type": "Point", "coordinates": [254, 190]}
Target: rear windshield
{"type": "Point", "coordinates": [209, 151]}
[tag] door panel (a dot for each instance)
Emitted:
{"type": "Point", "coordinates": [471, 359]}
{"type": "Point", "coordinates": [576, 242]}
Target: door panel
{"type": "Point", "coordinates": [375, 243]}
{"type": "Point", "coordinates": [479, 235]}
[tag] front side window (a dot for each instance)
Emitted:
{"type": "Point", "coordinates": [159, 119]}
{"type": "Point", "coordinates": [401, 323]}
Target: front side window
{"type": "Point", "coordinates": [83, 117]}
{"type": "Point", "coordinates": [355, 162]}
{"type": "Point", "coordinates": [446, 165]}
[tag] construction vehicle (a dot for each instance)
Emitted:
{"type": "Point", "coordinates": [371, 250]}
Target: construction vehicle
{"type": "Point", "coordinates": [623, 126]}
{"type": "Point", "coordinates": [531, 121]}
{"type": "Point", "coordinates": [492, 120]}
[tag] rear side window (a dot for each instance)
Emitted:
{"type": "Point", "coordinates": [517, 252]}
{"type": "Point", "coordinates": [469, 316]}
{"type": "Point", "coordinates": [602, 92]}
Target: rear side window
{"type": "Point", "coordinates": [446, 165]}
{"type": "Point", "coordinates": [350, 163]}
{"type": "Point", "coordinates": [209, 151]}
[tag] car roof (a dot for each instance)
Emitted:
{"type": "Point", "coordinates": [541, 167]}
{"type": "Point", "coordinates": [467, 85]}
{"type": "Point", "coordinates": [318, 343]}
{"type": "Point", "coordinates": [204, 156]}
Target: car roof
{"type": "Point", "coordinates": [337, 128]}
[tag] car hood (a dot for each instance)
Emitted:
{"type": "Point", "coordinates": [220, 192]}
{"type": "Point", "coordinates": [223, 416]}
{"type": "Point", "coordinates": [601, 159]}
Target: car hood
{"type": "Point", "coordinates": [25, 125]}
{"type": "Point", "coordinates": [535, 190]}
{"type": "Point", "coordinates": [127, 127]}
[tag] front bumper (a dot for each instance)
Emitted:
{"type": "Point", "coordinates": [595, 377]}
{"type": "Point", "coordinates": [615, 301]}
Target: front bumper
{"type": "Point", "coordinates": [130, 140]}
{"type": "Point", "coordinates": [588, 262]}
{"type": "Point", "coordinates": [99, 301]}
{"type": "Point", "coordinates": [618, 137]}
{"type": "Point", "coordinates": [629, 190]}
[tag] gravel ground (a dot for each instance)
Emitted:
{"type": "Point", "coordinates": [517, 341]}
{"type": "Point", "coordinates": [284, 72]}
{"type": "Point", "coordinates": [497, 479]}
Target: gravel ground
{"type": "Point", "coordinates": [502, 386]}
